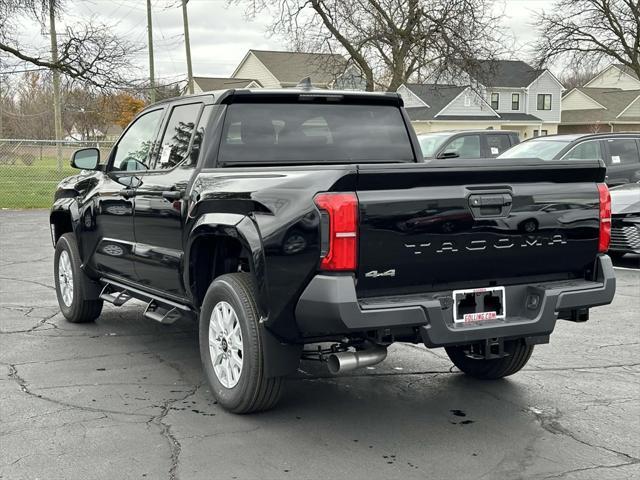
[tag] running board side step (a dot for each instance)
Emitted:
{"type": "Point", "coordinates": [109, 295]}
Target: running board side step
{"type": "Point", "coordinates": [162, 314]}
{"type": "Point", "coordinates": [159, 309]}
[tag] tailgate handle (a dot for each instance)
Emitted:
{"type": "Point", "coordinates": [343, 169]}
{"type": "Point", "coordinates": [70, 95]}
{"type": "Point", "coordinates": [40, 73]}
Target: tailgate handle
{"type": "Point", "coordinates": [493, 200]}
{"type": "Point", "coordinates": [490, 205]}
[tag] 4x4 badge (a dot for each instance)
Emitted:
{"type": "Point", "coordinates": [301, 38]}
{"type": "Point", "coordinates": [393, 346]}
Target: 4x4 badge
{"type": "Point", "coordinates": [376, 274]}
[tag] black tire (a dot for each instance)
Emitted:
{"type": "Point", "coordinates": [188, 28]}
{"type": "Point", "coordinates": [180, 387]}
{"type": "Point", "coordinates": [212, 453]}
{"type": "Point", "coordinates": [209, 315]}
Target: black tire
{"type": "Point", "coordinates": [81, 308]}
{"type": "Point", "coordinates": [253, 391]}
{"type": "Point", "coordinates": [519, 354]}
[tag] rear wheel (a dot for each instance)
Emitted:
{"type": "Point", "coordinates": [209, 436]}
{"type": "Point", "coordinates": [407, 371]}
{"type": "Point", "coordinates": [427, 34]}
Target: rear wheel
{"type": "Point", "coordinates": [518, 354]}
{"type": "Point", "coordinates": [231, 348]}
{"type": "Point", "coordinates": [72, 284]}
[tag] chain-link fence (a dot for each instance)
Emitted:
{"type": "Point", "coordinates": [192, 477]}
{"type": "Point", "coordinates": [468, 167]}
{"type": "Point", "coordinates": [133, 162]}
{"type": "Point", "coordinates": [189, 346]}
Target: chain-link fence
{"type": "Point", "coordinates": [31, 169]}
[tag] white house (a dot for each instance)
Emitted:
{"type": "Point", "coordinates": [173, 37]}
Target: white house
{"type": "Point", "coordinates": [273, 69]}
{"type": "Point", "coordinates": [208, 84]}
{"type": "Point", "coordinates": [609, 102]}
{"type": "Point", "coordinates": [615, 76]}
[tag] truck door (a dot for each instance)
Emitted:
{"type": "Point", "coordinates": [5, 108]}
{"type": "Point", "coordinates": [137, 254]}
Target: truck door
{"type": "Point", "coordinates": [110, 220]}
{"type": "Point", "coordinates": [161, 209]}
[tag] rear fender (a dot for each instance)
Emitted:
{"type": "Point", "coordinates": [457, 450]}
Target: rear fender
{"type": "Point", "coordinates": [280, 358]}
{"type": "Point", "coordinates": [243, 229]}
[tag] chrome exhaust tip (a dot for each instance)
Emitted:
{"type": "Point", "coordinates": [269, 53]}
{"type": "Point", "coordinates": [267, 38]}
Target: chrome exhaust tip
{"type": "Point", "coordinates": [346, 361]}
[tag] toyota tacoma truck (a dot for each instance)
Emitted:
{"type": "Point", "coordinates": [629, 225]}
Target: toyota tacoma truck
{"type": "Point", "coordinates": [305, 224]}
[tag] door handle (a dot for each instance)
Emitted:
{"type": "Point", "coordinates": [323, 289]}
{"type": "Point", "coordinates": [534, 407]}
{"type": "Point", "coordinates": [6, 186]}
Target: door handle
{"type": "Point", "coordinates": [172, 195]}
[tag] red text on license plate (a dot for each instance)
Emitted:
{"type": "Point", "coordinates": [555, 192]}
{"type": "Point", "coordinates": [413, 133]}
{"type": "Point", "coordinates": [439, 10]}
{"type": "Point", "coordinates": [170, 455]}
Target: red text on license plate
{"type": "Point", "coordinates": [477, 317]}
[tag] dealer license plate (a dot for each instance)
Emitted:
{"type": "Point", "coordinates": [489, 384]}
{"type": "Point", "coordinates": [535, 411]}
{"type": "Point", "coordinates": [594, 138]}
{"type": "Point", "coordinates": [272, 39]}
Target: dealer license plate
{"type": "Point", "coordinates": [479, 305]}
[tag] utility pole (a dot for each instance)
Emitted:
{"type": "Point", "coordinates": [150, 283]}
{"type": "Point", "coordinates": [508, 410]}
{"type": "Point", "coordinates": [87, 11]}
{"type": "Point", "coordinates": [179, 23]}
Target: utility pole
{"type": "Point", "coordinates": [57, 108]}
{"type": "Point", "coordinates": [1, 105]}
{"type": "Point", "coordinates": [152, 83]}
{"type": "Point", "coordinates": [185, 20]}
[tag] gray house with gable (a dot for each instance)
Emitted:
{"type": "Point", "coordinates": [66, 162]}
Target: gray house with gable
{"type": "Point", "coordinates": [503, 94]}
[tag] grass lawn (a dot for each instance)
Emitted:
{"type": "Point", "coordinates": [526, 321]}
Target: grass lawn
{"type": "Point", "coordinates": [31, 186]}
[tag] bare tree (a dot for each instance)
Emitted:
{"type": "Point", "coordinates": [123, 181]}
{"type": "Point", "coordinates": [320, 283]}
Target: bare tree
{"type": "Point", "coordinates": [391, 41]}
{"type": "Point", "coordinates": [589, 32]}
{"type": "Point", "coordinates": [573, 77]}
{"type": "Point", "coordinates": [89, 53]}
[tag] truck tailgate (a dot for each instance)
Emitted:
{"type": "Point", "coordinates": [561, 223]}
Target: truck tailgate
{"type": "Point", "coordinates": [475, 224]}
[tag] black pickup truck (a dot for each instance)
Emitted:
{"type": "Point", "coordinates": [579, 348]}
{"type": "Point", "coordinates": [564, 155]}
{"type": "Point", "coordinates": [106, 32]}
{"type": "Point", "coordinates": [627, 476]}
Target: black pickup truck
{"type": "Point", "coordinates": [304, 224]}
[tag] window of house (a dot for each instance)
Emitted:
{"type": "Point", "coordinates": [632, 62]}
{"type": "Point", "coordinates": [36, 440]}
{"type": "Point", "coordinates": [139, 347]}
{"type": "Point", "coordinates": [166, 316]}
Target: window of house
{"type": "Point", "coordinates": [175, 142]}
{"type": "Point", "coordinates": [544, 101]}
{"type": "Point", "coordinates": [540, 133]}
{"type": "Point", "coordinates": [467, 101]}
{"type": "Point", "coordinates": [515, 101]}
{"type": "Point", "coordinates": [495, 100]}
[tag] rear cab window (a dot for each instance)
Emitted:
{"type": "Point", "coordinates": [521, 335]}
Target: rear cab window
{"type": "Point", "coordinates": [299, 133]}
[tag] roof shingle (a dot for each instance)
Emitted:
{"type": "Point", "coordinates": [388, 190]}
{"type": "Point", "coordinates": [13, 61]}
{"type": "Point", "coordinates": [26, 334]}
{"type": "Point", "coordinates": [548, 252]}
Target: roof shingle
{"type": "Point", "coordinates": [291, 67]}
{"type": "Point", "coordinates": [614, 100]}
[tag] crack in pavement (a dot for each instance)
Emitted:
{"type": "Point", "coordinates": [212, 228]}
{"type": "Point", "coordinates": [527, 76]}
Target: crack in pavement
{"type": "Point", "coordinates": [28, 281]}
{"type": "Point", "coordinates": [15, 376]}
{"type": "Point", "coordinates": [550, 422]}
{"type": "Point", "coordinates": [40, 323]}
{"type": "Point", "coordinates": [586, 469]}
{"type": "Point", "coordinates": [175, 447]}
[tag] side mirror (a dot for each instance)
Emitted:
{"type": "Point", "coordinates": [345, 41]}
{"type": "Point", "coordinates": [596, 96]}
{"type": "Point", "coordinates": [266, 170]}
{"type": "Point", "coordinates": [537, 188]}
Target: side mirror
{"type": "Point", "coordinates": [86, 159]}
{"type": "Point", "coordinates": [449, 155]}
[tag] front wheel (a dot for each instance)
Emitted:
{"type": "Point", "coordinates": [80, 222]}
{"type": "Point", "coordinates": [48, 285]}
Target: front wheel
{"type": "Point", "coordinates": [518, 354]}
{"type": "Point", "coordinates": [231, 348]}
{"type": "Point", "coordinates": [72, 284]}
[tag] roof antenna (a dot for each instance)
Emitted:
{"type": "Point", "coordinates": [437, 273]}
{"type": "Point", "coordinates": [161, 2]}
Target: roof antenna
{"type": "Point", "coordinates": [305, 84]}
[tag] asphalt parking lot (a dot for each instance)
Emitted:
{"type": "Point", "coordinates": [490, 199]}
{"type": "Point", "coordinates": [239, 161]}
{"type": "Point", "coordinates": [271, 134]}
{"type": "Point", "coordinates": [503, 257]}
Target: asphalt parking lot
{"type": "Point", "coordinates": [125, 398]}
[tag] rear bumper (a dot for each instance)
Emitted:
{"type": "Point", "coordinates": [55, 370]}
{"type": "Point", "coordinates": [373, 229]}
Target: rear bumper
{"type": "Point", "coordinates": [329, 306]}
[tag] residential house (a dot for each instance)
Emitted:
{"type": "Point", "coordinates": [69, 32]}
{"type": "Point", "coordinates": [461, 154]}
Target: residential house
{"type": "Point", "coordinates": [615, 76]}
{"type": "Point", "coordinates": [609, 102]}
{"type": "Point", "coordinates": [502, 94]}
{"type": "Point", "coordinates": [285, 69]}
{"type": "Point", "coordinates": [208, 84]}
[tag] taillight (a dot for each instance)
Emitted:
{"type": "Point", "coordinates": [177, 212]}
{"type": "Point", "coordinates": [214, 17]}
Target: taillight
{"type": "Point", "coordinates": [340, 215]}
{"type": "Point", "coordinates": [605, 218]}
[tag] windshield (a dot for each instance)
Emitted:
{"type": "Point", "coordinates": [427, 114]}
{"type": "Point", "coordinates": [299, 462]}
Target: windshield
{"type": "Point", "coordinates": [429, 144]}
{"type": "Point", "coordinates": [294, 133]}
{"type": "Point", "coordinates": [542, 149]}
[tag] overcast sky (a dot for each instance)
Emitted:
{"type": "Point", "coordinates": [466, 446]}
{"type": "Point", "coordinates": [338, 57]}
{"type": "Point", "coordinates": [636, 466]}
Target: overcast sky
{"type": "Point", "coordinates": [220, 34]}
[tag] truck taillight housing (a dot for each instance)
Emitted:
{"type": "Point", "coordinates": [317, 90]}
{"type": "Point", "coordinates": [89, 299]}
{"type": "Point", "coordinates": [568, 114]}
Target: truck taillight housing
{"type": "Point", "coordinates": [339, 230]}
{"type": "Point", "coordinates": [605, 218]}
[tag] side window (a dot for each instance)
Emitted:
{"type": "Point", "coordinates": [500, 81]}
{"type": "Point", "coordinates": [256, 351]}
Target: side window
{"type": "Point", "coordinates": [467, 146]}
{"type": "Point", "coordinates": [515, 101]}
{"type": "Point", "coordinates": [623, 151]}
{"type": "Point", "coordinates": [498, 144]}
{"type": "Point", "coordinates": [544, 101]}
{"type": "Point", "coordinates": [495, 100]}
{"type": "Point", "coordinates": [584, 151]}
{"type": "Point", "coordinates": [132, 151]}
{"type": "Point", "coordinates": [199, 135]}
{"type": "Point", "coordinates": [176, 139]}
